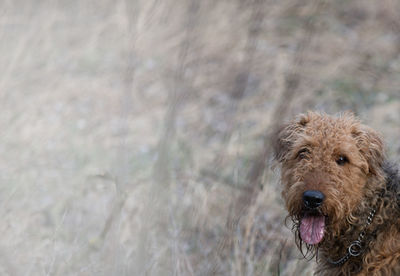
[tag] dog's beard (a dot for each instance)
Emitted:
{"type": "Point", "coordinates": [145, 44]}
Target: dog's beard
{"type": "Point", "coordinates": [309, 229]}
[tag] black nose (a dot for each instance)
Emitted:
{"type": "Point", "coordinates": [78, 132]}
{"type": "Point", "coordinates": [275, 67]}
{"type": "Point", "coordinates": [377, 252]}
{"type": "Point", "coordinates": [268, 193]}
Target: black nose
{"type": "Point", "coordinates": [313, 199]}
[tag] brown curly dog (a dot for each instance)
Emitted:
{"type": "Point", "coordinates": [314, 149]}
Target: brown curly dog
{"type": "Point", "coordinates": [341, 194]}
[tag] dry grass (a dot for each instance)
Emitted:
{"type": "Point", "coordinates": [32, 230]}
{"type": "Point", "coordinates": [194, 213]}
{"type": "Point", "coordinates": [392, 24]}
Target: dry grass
{"type": "Point", "coordinates": [135, 133]}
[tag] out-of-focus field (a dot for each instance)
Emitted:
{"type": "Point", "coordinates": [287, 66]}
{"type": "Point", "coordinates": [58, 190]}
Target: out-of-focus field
{"type": "Point", "coordinates": [135, 134]}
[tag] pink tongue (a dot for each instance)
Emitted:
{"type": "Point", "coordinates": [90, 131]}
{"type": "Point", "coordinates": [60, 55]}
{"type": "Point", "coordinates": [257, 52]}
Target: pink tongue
{"type": "Point", "coordinates": [312, 229]}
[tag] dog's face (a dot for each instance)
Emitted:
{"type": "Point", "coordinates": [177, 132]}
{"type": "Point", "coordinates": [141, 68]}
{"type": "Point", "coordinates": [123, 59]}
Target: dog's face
{"type": "Point", "coordinates": [327, 163]}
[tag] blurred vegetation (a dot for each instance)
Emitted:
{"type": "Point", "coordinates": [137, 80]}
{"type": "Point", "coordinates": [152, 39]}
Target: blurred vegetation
{"type": "Point", "coordinates": [136, 134]}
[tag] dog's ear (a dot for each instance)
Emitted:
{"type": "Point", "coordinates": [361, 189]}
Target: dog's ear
{"type": "Point", "coordinates": [285, 136]}
{"type": "Point", "coordinates": [370, 145]}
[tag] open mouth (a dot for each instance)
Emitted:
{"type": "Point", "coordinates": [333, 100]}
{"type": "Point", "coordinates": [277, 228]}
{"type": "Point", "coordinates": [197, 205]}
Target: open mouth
{"type": "Point", "coordinates": [312, 227]}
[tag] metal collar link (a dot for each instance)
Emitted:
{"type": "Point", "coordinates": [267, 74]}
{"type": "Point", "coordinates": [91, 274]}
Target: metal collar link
{"type": "Point", "coordinates": [355, 248]}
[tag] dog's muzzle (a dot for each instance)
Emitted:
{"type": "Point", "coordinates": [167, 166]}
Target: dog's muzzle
{"type": "Point", "coordinates": [312, 224]}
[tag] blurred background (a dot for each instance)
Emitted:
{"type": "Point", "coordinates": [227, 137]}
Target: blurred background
{"type": "Point", "coordinates": [135, 134]}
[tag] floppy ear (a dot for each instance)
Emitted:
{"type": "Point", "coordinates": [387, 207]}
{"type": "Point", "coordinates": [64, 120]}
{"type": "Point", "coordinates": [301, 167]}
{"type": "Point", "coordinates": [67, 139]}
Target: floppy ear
{"type": "Point", "coordinates": [370, 144]}
{"type": "Point", "coordinates": [284, 138]}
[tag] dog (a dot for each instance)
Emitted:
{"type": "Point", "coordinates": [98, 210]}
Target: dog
{"type": "Point", "coordinates": [341, 193]}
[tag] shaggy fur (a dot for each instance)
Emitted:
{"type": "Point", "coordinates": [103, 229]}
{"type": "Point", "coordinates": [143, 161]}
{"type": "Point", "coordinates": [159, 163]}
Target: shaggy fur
{"type": "Point", "coordinates": [344, 160]}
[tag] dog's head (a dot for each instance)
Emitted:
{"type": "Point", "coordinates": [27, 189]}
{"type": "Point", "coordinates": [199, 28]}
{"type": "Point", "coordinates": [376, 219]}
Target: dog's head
{"type": "Point", "coordinates": [329, 164]}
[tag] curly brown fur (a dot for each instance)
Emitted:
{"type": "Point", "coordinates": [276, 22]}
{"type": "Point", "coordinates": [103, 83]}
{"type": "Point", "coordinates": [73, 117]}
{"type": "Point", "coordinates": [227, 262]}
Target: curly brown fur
{"type": "Point", "coordinates": [344, 160]}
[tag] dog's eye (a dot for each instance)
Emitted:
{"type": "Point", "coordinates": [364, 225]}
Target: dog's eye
{"type": "Point", "coordinates": [342, 160]}
{"type": "Point", "coordinates": [303, 153]}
